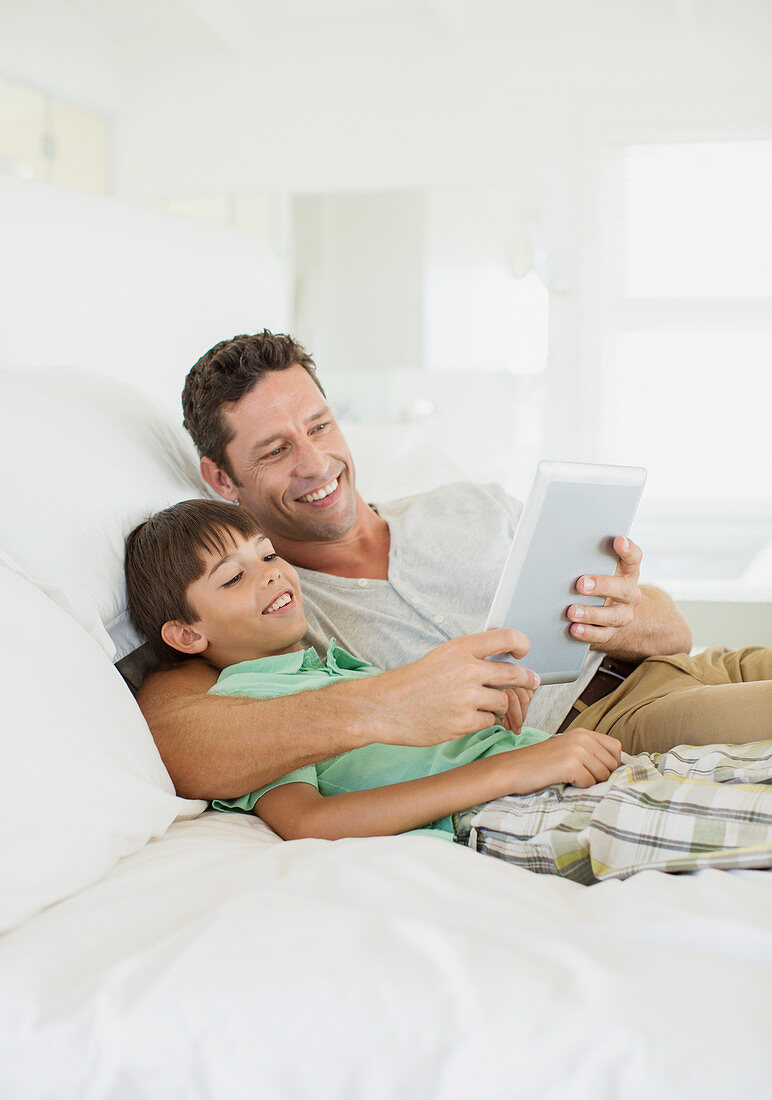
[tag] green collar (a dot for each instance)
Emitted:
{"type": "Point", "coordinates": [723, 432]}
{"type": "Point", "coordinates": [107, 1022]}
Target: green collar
{"type": "Point", "coordinates": [308, 660]}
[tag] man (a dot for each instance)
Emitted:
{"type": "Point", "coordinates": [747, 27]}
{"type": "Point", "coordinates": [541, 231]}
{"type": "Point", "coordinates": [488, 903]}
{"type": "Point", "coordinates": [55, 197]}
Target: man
{"type": "Point", "coordinates": [392, 583]}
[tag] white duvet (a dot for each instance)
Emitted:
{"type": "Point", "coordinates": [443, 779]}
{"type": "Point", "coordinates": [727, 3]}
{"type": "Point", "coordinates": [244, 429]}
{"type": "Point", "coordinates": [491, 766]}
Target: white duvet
{"type": "Point", "coordinates": [149, 953]}
{"type": "Point", "coordinates": [219, 961]}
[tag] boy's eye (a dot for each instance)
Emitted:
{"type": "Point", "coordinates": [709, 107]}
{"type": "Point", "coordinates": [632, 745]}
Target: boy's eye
{"type": "Point", "coordinates": [233, 580]}
{"type": "Point", "coordinates": [270, 557]}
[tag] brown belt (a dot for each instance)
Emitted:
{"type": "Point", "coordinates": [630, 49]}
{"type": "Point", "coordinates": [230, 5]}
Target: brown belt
{"type": "Point", "coordinates": [611, 673]}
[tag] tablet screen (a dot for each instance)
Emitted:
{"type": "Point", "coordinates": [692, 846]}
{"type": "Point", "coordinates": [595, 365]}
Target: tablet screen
{"type": "Point", "coordinates": [573, 514]}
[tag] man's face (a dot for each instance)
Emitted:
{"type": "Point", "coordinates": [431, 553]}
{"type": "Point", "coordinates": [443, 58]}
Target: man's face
{"type": "Point", "coordinates": [248, 602]}
{"type": "Point", "coordinates": [294, 466]}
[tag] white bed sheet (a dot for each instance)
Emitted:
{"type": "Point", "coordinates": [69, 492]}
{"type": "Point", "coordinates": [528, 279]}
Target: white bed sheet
{"type": "Point", "coordinates": [219, 961]}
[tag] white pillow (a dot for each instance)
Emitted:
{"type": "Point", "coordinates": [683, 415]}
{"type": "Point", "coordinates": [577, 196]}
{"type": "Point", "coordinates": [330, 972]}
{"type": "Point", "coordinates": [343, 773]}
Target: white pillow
{"type": "Point", "coordinates": [81, 782]}
{"type": "Point", "coordinates": [84, 459]}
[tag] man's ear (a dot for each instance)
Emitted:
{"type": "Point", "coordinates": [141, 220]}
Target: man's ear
{"type": "Point", "coordinates": [183, 638]}
{"type": "Point", "coordinates": [218, 480]}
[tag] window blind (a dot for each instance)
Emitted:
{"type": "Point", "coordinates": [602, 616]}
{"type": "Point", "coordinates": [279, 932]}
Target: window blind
{"type": "Point", "coordinates": [687, 319]}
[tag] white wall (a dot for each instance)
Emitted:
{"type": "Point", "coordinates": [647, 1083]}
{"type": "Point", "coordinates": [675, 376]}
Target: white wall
{"type": "Point", "coordinates": [93, 282]}
{"type": "Point", "coordinates": [515, 95]}
{"type": "Point", "coordinates": [403, 103]}
{"type": "Point", "coordinates": [359, 284]}
{"type": "Point", "coordinates": [338, 99]}
{"type": "Point", "coordinates": [61, 47]}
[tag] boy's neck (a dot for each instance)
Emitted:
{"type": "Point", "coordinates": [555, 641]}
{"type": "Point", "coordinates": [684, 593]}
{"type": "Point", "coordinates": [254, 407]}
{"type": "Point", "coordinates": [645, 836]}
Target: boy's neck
{"type": "Point", "coordinates": [362, 552]}
{"type": "Point", "coordinates": [237, 660]}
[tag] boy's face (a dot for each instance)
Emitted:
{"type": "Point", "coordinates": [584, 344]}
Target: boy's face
{"type": "Point", "coordinates": [248, 603]}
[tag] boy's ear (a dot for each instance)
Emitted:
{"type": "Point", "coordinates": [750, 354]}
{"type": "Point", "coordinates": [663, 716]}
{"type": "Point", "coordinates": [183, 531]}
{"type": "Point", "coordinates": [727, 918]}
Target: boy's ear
{"type": "Point", "coordinates": [183, 638]}
{"type": "Point", "coordinates": [218, 480]}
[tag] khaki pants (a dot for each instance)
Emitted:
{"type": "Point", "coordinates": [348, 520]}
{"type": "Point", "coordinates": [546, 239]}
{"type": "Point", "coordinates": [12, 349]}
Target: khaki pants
{"type": "Point", "coordinates": [719, 696]}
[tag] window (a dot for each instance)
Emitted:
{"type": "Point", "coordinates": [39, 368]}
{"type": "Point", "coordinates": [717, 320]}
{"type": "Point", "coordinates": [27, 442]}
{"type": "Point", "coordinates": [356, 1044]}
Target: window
{"type": "Point", "coordinates": [485, 297]}
{"type": "Point", "coordinates": [43, 138]}
{"type": "Point", "coordinates": [686, 359]}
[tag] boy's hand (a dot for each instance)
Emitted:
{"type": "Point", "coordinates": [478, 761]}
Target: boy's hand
{"type": "Point", "coordinates": [580, 757]}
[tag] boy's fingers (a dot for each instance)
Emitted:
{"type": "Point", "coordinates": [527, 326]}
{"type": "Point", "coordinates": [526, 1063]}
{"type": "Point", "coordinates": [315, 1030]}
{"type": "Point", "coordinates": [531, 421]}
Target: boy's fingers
{"type": "Point", "coordinates": [604, 740]}
{"type": "Point", "coordinates": [585, 778]}
{"type": "Point", "coordinates": [612, 745]}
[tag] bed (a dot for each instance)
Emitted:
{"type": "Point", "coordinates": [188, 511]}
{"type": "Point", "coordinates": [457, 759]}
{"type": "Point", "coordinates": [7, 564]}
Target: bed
{"type": "Point", "coordinates": [153, 948]}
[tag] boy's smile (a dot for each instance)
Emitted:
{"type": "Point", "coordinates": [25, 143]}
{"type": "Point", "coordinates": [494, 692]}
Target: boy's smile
{"type": "Point", "coordinates": [248, 603]}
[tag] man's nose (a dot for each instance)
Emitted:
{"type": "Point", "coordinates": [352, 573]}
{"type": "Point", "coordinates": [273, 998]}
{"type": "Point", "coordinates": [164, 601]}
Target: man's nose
{"type": "Point", "coordinates": [310, 460]}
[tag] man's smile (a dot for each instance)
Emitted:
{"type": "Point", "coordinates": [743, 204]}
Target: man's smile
{"type": "Point", "coordinates": [323, 496]}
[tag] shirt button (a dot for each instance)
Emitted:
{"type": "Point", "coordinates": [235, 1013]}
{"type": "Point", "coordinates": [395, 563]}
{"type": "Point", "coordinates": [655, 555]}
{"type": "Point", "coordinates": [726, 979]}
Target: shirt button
{"type": "Point", "coordinates": [439, 618]}
{"type": "Point", "coordinates": [362, 582]}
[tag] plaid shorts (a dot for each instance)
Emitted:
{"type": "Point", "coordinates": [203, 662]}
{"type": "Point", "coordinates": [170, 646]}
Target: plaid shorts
{"type": "Point", "coordinates": [683, 810]}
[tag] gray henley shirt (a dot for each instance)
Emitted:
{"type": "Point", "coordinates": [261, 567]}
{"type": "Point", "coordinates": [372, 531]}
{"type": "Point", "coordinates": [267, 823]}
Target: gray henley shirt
{"type": "Point", "coordinates": [447, 551]}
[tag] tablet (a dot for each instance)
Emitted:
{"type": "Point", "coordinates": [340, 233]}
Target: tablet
{"type": "Point", "coordinates": [573, 513]}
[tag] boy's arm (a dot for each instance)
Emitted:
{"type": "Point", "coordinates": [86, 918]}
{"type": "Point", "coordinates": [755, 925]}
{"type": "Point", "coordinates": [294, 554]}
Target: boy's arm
{"type": "Point", "coordinates": [297, 811]}
{"type": "Point", "coordinates": [220, 747]}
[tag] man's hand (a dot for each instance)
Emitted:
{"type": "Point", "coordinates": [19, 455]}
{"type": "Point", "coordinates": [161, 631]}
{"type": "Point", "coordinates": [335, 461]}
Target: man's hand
{"type": "Point", "coordinates": [602, 626]}
{"type": "Point", "coordinates": [451, 691]}
{"type": "Point", "coordinates": [519, 702]}
{"type": "Point", "coordinates": [634, 622]}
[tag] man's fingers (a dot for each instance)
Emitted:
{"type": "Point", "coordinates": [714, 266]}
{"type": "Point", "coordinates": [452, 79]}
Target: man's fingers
{"type": "Point", "coordinates": [519, 699]}
{"type": "Point", "coordinates": [598, 636]}
{"type": "Point", "coordinates": [630, 555]}
{"type": "Point", "coordinates": [490, 643]}
{"type": "Point", "coordinates": [617, 587]}
{"type": "Point", "coordinates": [613, 614]}
{"type": "Point", "coordinates": [497, 702]}
{"type": "Point", "coordinates": [503, 674]}
{"type": "Point", "coordinates": [625, 579]}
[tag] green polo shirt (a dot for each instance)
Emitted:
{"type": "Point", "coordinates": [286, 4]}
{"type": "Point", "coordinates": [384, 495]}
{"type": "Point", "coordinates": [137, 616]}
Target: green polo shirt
{"type": "Point", "coordinates": [361, 769]}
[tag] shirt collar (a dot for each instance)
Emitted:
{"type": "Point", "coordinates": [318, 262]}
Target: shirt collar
{"type": "Point", "coordinates": [301, 660]}
{"type": "Point", "coordinates": [286, 663]}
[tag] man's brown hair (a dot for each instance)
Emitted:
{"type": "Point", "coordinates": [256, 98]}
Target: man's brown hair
{"type": "Point", "coordinates": [223, 375]}
{"type": "Point", "coordinates": [165, 556]}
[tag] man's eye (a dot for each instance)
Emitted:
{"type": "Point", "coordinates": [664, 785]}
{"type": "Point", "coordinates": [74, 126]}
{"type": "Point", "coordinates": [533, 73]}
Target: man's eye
{"type": "Point", "coordinates": [320, 427]}
{"type": "Point", "coordinates": [233, 580]}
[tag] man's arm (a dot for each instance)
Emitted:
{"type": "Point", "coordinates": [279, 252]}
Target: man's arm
{"type": "Point", "coordinates": [220, 747]}
{"type": "Point", "coordinates": [633, 622]}
{"type": "Point", "coordinates": [297, 810]}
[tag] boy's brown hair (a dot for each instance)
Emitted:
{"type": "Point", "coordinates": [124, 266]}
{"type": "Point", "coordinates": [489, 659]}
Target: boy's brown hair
{"type": "Point", "coordinates": [165, 556]}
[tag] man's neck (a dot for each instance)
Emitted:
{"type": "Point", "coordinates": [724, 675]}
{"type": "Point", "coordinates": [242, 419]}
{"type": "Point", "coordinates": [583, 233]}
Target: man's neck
{"type": "Point", "coordinates": [361, 552]}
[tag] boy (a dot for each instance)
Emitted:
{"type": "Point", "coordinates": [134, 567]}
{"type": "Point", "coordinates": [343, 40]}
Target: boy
{"type": "Point", "coordinates": [203, 580]}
